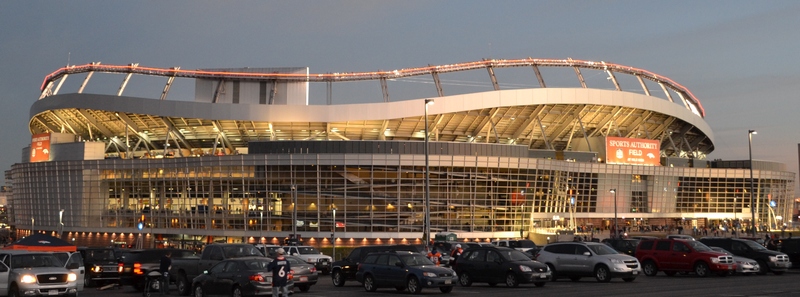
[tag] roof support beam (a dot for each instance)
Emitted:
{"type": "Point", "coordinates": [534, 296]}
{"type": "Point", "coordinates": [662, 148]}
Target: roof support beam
{"type": "Point", "coordinates": [664, 87]}
{"type": "Point", "coordinates": [644, 86]}
{"type": "Point", "coordinates": [168, 85]}
{"type": "Point", "coordinates": [437, 83]}
{"type": "Point", "coordinates": [539, 76]}
{"type": "Point", "coordinates": [485, 122]}
{"type": "Point", "coordinates": [48, 89]}
{"type": "Point", "coordinates": [384, 89]}
{"type": "Point", "coordinates": [219, 91]}
{"type": "Point", "coordinates": [91, 120]}
{"type": "Point", "coordinates": [613, 79]}
{"type": "Point", "coordinates": [273, 91]}
{"type": "Point", "coordinates": [179, 137]}
{"type": "Point", "coordinates": [544, 133]}
{"type": "Point", "coordinates": [578, 73]}
{"type": "Point", "coordinates": [125, 81]}
{"type": "Point", "coordinates": [493, 78]}
{"type": "Point", "coordinates": [222, 135]}
{"type": "Point", "coordinates": [61, 82]}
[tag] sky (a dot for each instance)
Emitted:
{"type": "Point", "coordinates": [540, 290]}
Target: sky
{"type": "Point", "coordinates": [739, 58]}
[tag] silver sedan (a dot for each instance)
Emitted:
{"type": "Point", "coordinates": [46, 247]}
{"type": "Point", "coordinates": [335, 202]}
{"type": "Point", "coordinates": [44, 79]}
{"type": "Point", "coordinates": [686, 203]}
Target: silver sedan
{"type": "Point", "coordinates": [743, 265]}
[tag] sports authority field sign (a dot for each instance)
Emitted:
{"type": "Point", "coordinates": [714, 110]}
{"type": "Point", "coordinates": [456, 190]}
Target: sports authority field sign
{"type": "Point", "coordinates": [633, 151]}
{"type": "Point", "coordinates": [40, 147]}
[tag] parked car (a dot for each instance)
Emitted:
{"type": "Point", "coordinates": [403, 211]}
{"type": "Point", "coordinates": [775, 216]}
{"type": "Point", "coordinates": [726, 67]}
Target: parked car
{"type": "Point", "coordinates": [582, 259]}
{"type": "Point", "coordinates": [404, 270]}
{"type": "Point", "coordinates": [26, 273]}
{"type": "Point", "coordinates": [493, 265]}
{"type": "Point", "coordinates": [680, 236]}
{"type": "Point", "coordinates": [791, 247]}
{"type": "Point", "coordinates": [522, 245]}
{"type": "Point", "coordinates": [677, 255]}
{"type": "Point", "coordinates": [246, 276]}
{"type": "Point", "coordinates": [743, 265]}
{"type": "Point", "coordinates": [100, 264]}
{"type": "Point", "coordinates": [345, 269]}
{"type": "Point", "coordinates": [312, 256]}
{"type": "Point", "coordinates": [269, 250]}
{"type": "Point", "coordinates": [623, 245]}
{"type": "Point", "coordinates": [187, 268]}
{"type": "Point", "coordinates": [135, 264]}
{"type": "Point", "coordinates": [69, 259]}
{"type": "Point", "coordinates": [305, 275]}
{"type": "Point", "coordinates": [768, 260]}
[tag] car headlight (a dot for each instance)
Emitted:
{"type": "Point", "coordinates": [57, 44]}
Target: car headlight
{"type": "Point", "coordinates": [72, 277]}
{"type": "Point", "coordinates": [27, 279]}
{"type": "Point", "coordinates": [429, 274]}
{"type": "Point", "coordinates": [524, 268]}
{"type": "Point", "coordinates": [617, 261]}
{"type": "Point", "coordinates": [97, 269]}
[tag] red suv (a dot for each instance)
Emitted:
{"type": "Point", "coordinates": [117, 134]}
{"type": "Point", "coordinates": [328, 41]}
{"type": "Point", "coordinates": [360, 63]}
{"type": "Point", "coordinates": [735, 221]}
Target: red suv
{"type": "Point", "coordinates": [676, 255]}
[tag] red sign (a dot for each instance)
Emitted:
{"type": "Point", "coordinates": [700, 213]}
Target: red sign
{"type": "Point", "coordinates": [40, 147]}
{"type": "Point", "coordinates": [339, 225]}
{"type": "Point", "coordinates": [633, 151]}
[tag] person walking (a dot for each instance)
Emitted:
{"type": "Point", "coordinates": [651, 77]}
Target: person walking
{"type": "Point", "coordinates": [164, 266]}
{"type": "Point", "coordinates": [280, 269]}
{"type": "Point", "coordinates": [435, 256]}
{"type": "Point", "coordinates": [455, 254]}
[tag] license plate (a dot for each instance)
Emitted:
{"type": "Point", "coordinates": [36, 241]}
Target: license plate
{"type": "Point", "coordinates": [448, 281]}
{"type": "Point", "coordinates": [52, 292]}
{"type": "Point", "coordinates": [303, 279]}
{"type": "Point", "coordinates": [324, 263]}
{"type": "Point", "coordinates": [543, 276]}
{"type": "Point", "coordinates": [635, 272]}
{"type": "Point", "coordinates": [730, 267]}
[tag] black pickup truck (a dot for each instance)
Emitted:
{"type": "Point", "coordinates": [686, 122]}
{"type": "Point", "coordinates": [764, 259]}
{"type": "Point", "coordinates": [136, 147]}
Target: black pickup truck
{"type": "Point", "coordinates": [184, 270]}
{"type": "Point", "coordinates": [135, 264]}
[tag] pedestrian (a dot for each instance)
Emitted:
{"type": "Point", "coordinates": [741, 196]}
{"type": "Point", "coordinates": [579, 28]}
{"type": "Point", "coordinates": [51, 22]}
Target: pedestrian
{"type": "Point", "coordinates": [280, 269]}
{"type": "Point", "coordinates": [435, 256]}
{"type": "Point", "coordinates": [455, 254]}
{"type": "Point", "coordinates": [164, 266]}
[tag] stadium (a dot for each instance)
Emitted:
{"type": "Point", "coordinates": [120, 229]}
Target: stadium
{"type": "Point", "coordinates": [241, 153]}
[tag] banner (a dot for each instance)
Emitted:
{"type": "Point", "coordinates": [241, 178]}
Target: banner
{"type": "Point", "coordinates": [633, 151]}
{"type": "Point", "coordinates": [40, 147]}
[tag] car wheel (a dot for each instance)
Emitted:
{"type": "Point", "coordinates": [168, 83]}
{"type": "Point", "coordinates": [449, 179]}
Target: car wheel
{"type": "Point", "coordinates": [369, 284]}
{"type": "Point", "coordinates": [511, 280]}
{"type": "Point", "coordinates": [413, 285]}
{"type": "Point", "coordinates": [762, 267]}
{"type": "Point", "coordinates": [552, 272]}
{"type": "Point", "coordinates": [237, 292]}
{"type": "Point", "coordinates": [88, 282]}
{"type": "Point", "coordinates": [304, 287]}
{"type": "Point", "coordinates": [574, 278]}
{"type": "Point", "coordinates": [446, 289]}
{"type": "Point", "coordinates": [701, 269]}
{"type": "Point", "coordinates": [198, 291]}
{"type": "Point", "coordinates": [182, 284]}
{"type": "Point", "coordinates": [13, 292]}
{"type": "Point", "coordinates": [650, 268]}
{"type": "Point", "coordinates": [602, 274]}
{"type": "Point", "coordinates": [628, 279]}
{"type": "Point", "coordinates": [338, 278]}
{"type": "Point", "coordinates": [464, 280]}
{"type": "Point", "coordinates": [539, 284]}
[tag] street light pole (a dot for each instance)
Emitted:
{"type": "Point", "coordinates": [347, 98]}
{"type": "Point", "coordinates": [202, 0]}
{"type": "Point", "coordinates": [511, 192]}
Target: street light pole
{"type": "Point", "coordinates": [752, 191]}
{"type": "Point", "coordinates": [616, 228]}
{"type": "Point", "coordinates": [427, 228]}
{"type": "Point", "coordinates": [294, 211]}
{"type": "Point", "coordinates": [60, 223]}
{"type": "Point", "coordinates": [333, 236]}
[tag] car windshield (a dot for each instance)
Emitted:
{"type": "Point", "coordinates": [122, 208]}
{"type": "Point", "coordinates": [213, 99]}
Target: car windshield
{"type": "Point", "coordinates": [100, 255]}
{"type": "Point", "coordinates": [35, 260]}
{"type": "Point", "coordinates": [305, 250]}
{"type": "Point", "coordinates": [522, 244]}
{"type": "Point", "coordinates": [602, 249]}
{"type": "Point", "coordinates": [416, 260]}
{"type": "Point", "coordinates": [698, 246]}
{"type": "Point", "coordinates": [257, 264]}
{"type": "Point", "coordinates": [721, 250]}
{"type": "Point", "coordinates": [237, 251]}
{"type": "Point", "coordinates": [515, 255]}
{"type": "Point", "coordinates": [754, 245]}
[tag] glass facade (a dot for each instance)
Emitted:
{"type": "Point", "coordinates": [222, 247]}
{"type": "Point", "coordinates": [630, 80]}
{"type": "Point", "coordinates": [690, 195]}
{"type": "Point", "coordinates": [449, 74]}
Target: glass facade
{"type": "Point", "coordinates": [377, 195]}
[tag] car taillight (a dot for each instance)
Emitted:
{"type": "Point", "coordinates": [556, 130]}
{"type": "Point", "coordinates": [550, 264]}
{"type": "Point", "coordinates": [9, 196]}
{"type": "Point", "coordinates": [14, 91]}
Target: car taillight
{"type": "Point", "coordinates": [291, 274]}
{"type": "Point", "coordinates": [257, 278]}
{"type": "Point", "coordinates": [119, 267]}
{"type": "Point", "coordinates": [359, 267]}
{"type": "Point", "coordinates": [313, 269]}
{"type": "Point", "coordinates": [137, 268]}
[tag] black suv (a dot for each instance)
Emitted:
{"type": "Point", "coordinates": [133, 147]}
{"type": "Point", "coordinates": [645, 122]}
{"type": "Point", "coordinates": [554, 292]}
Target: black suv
{"type": "Point", "coordinates": [623, 245]}
{"type": "Point", "coordinates": [101, 265]}
{"type": "Point", "coordinates": [404, 270]}
{"type": "Point", "coordinates": [345, 269]}
{"type": "Point", "coordinates": [135, 264]}
{"type": "Point", "coordinates": [768, 260]}
{"type": "Point", "coordinates": [494, 265]}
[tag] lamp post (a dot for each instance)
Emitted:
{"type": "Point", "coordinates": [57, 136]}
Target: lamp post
{"type": "Point", "coordinates": [427, 228]}
{"type": "Point", "coordinates": [752, 191]}
{"type": "Point", "coordinates": [333, 236]}
{"type": "Point", "coordinates": [261, 227]}
{"type": "Point", "coordinates": [616, 228]}
{"type": "Point", "coordinates": [60, 222]}
{"type": "Point", "coordinates": [294, 211]}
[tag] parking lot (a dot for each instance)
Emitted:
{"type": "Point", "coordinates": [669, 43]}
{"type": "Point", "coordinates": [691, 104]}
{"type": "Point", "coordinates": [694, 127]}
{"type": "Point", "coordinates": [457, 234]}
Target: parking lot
{"type": "Point", "coordinates": [660, 285]}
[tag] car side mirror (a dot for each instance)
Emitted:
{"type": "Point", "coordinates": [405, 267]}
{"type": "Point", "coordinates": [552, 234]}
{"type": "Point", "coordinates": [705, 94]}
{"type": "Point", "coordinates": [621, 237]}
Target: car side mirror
{"type": "Point", "coordinates": [588, 254]}
{"type": "Point", "coordinates": [399, 264]}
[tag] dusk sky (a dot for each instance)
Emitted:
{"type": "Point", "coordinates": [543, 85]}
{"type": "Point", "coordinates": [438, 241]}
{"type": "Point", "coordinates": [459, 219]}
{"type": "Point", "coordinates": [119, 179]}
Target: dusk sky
{"type": "Point", "coordinates": [740, 58]}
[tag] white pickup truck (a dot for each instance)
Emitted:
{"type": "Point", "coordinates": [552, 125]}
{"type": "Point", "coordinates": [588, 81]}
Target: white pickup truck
{"type": "Point", "coordinates": [24, 273]}
{"type": "Point", "coordinates": [311, 255]}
